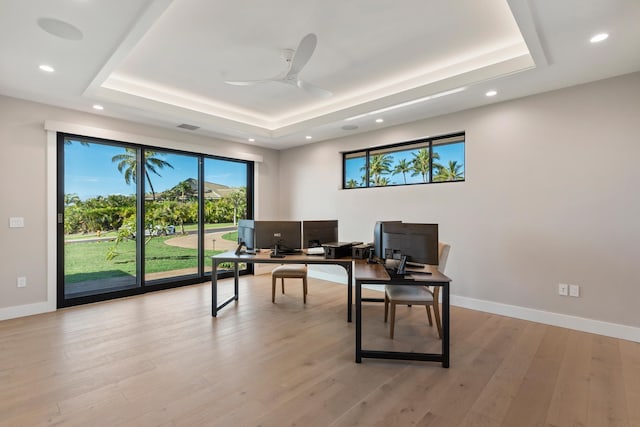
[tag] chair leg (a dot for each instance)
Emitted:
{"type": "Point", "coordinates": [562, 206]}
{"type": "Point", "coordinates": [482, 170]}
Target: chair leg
{"type": "Point", "coordinates": [436, 313]}
{"type": "Point", "coordinates": [282, 285]}
{"type": "Point", "coordinates": [429, 315]}
{"type": "Point", "coordinates": [273, 289]}
{"type": "Point", "coordinates": [392, 323]}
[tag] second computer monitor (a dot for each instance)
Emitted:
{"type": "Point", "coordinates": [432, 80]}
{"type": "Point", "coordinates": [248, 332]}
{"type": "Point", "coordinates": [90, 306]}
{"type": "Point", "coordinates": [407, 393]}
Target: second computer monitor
{"type": "Point", "coordinates": [317, 233]}
{"type": "Point", "coordinates": [418, 242]}
{"type": "Point", "coordinates": [285, 234]}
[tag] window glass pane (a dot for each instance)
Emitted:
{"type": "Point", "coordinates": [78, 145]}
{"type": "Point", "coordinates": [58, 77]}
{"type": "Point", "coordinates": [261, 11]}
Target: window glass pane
{"type": "Point", "coordinates": [380, 168]}
{"type": "Point", "coordinates": [225, 198]}
{"type": "Point", "coordinates": [421, 164]}
{"type": "Point", "coordinates": [99, 218]}
{"type": "Point", "coordinates": [448, 161]}
{"type": "Point", "coordinates": [355, 166]}
{"type": "Point", "coordinates": [171, 215]}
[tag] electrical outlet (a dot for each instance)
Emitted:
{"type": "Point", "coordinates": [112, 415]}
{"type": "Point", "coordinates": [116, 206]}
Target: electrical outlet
{"type": "Point", "coordinates": [21, 282]}
{"type": "Point", "coordinates": [574, 290]}
{"type": "Point", "coordinates": [16, 222]}
{"type": "Point", "coordinates": [563, 289]}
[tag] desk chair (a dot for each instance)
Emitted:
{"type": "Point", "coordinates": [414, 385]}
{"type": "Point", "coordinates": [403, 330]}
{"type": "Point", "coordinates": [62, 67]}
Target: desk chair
{"type": "Point", "coordinates": [416, 295]}
{"type": "Point", "coordinates": [289, 272]}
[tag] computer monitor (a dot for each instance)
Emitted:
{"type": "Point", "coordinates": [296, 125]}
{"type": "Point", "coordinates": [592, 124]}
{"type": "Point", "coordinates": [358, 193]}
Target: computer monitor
{"type": "Point", "coordinates": [418, 242]}
{"type": "Point", "coordinates": [286, 234]}
{"type": "Point", "coordinates": [317, 233]}
{"type": "Point", "coordinates": [377, 237]}
{"type": "Point", "coordinates": [246, 232]}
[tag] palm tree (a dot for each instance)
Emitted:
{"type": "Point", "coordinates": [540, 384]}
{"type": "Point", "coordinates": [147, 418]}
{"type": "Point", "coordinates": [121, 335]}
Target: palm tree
{"type": "Point", "coordinates": [127, 162]}
{"type": "Point", "coordinates": [237, 197]}
{"type": "Point", "coordinates": [352, 183]}
{"type": "Point", "coordinates": [421, 163]}
{"type": "Point", "coordinates": [403, 167]}
{"type": "Point", "coordinates": [452, 172]}
{"type": "Point", "coordinates": [71, 199]}
{"type": "Point", "coordinates": [379, 165]}
{"type": "Point", "coordinates": [381, 181]}
{"type": "Point", "coordinates": [184, 189]}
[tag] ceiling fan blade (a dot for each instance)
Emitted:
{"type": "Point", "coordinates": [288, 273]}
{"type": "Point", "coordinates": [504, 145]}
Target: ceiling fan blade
{"type": "Point", "coordinates": [303, 54]}
{"type": "Point", "coordinates": [313, 89]}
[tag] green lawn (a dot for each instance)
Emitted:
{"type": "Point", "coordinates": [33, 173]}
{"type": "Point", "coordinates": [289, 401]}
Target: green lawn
{"type": "Point", "coordinates": [87, 261]}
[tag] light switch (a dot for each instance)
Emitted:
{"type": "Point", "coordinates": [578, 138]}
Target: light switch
{"type": "Point", "coordinates": [16, 222]}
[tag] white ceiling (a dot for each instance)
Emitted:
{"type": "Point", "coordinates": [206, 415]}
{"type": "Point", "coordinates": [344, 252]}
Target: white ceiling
{"type": "Point", "coordinates": [164, 62]}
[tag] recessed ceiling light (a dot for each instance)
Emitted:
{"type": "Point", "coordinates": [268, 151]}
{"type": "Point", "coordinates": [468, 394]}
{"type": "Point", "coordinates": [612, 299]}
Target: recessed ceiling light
{"type": "Point", "coordinates": [599, 37]}
{"type": "Point", "coordinates": [98, 107]}
{"type": "Point", "coordinates": [47, 68]}
{"type": "Point", "coordinates": [491, 93]}
{"type": "Point", "coordinates": [308, 137]}
{"type": "Point", "coordinates": [252, 140]}
{"type": "Point", "coordinates": [379, 120]}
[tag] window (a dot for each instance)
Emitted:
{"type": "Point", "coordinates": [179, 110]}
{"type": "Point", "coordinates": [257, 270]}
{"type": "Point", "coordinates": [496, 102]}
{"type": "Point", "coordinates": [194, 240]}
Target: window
{"type": "Point", "coordinates": [135, 218]}
{"type": "Point", "coordinates": [439, 159]}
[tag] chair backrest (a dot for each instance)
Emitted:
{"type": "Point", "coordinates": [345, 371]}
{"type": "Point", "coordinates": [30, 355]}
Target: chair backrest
{"type": "Point", "coordinates": [443, 254]}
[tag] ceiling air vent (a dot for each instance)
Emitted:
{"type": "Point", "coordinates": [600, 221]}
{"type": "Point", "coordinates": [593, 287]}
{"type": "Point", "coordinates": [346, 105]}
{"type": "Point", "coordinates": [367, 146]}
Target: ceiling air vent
{"type": "Point", "coordinates": [188, 127]}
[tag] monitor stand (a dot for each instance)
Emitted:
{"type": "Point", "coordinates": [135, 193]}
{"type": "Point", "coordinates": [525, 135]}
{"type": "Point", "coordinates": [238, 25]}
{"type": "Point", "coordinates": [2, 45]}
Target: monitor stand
{"type": "Point", "coordinates": [276, 252]}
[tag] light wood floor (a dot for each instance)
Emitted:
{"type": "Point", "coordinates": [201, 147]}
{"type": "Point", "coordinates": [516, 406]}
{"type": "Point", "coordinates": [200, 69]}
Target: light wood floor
{"type": "Point", "coordinates": [162, 360]}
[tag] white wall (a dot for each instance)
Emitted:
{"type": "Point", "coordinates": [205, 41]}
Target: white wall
{"type": "Point", "coordinates": [551, 195]}
{"type": "Point", "coordinates": [23, 183]}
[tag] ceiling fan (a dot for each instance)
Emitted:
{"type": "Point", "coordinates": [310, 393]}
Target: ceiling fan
{"type": "Point", "coordinates": [296, 59]}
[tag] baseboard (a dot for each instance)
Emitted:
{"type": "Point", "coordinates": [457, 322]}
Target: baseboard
{"type": "Point", "coordinates": [614, 330]}
{"type": "Point", "coordinates": [583, 324]}
{"type": "Point", "coordinates": [26, 310]}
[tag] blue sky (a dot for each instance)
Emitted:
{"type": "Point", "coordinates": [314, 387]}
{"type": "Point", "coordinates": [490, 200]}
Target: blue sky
{"type": "Point", "coordinates": [448, 152]}
{"type": "Point", "coordinates": [89, 171]}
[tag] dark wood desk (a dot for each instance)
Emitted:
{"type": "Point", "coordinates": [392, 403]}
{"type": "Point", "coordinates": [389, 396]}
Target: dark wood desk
{"type": "Point", "coordinates": [376, 274]}
{"type": "Point", "coordinates": [370, 274]}
{"type": "Point", "coordinates": [265, 258]}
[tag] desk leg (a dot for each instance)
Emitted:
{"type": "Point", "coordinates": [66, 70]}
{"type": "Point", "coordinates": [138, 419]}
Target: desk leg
{"type": "Point", "coordinates": [236, 276]}
{"type": "Point", "coordinates": [445, 324]}
{"type": "Point", "coordinates": [349, 290]}
{"type": "Point", "coordinates": [214, 289]}
{"type": "Point", "coordinates": [358, 322]}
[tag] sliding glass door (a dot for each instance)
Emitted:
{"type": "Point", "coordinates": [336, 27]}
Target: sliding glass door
{"type": "Point", "coordinates": [171, 210]}
{"type": "Point", "coordinates": [225, 202]}
{"type": "Point", "coordinates": [99, 210]}
{"type": "Point", "coordinates": [134, 218]}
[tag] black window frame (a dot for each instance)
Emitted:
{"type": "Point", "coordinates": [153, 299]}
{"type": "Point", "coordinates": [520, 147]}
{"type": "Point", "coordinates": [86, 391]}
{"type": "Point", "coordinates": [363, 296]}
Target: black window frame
{"type": "Point", "coordinates": [429, 143]}
{"type": "Point", "coordinates": [144, 285]}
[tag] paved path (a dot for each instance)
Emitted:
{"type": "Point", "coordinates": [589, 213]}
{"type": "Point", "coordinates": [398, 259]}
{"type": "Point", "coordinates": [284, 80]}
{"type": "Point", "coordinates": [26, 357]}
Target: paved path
{"type": "Point", "coordinates": [212, 241]}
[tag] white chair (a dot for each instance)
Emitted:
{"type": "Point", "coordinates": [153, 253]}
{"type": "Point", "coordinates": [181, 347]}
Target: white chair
{"type": "Point", "coordinates": [416, 295]}
{"type": "Point", "coordinates": [289, 272]}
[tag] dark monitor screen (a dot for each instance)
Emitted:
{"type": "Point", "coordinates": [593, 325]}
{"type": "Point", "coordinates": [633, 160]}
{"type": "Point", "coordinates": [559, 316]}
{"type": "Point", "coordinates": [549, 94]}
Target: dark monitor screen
{"type": "Point", "coordinates": [285, 234]}
{"type": "Point", "coordinates": [317, 233]}
{"type": "Point", "coordinates": [419, 242]}
{"type": "Point", "coordinates": [246, 233]}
